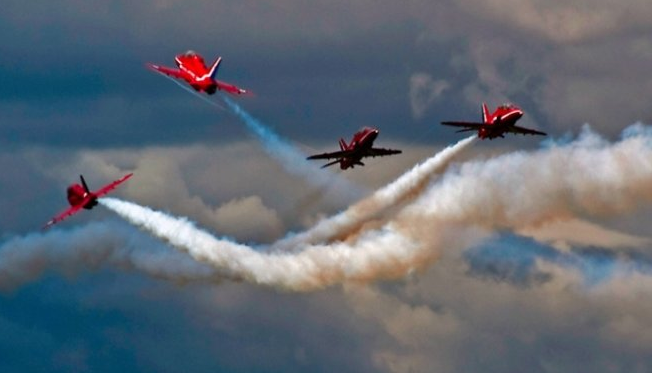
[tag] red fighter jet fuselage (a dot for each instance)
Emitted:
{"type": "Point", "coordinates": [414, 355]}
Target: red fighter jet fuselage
{"type": "Point", "coordinates": [352, 153]}
{"type": "Point", "coordinates": [80, 197]}
{"type": "Point", "coordinates": [496, 124]}
{"type": "Point", "coordinates": [194, 71]}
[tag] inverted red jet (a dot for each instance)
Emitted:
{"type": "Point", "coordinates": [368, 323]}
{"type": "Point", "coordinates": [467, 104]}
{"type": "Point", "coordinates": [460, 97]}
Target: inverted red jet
{"type": "Point", "coordinates": [502, 121]}
{"type": "Point", "coordinates": [361, 146]}
{"type": "Point", "coordinates": [193, 70]}
{"type": "Point", "coordinates": [80, 197]}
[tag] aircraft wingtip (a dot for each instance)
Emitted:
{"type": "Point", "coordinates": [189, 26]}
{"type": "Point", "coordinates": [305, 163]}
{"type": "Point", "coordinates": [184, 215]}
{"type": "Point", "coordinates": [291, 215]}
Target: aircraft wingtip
{"type": "Point", "coordinates": [245, 92]}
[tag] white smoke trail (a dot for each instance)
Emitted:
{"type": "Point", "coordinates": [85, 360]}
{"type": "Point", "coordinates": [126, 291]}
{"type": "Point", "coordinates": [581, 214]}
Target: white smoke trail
{"type": "Point", "coordinates": [384, 254]}
{"type": "Point", "coordinates": [399, 191]}
{"type": "Point", "coordinates": [24, 259]}
{"type": "Point", "coordinates": [586, 177]}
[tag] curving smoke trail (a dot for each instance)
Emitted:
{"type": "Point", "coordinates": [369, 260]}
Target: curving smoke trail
{"type": "Point", "coordinates": [24, 259]}
{"type": "Point", "coordinates": [292, 159]}
{"type": "Point", "coordinates": [586, 177]}
{"type": "Point", "coordinates": [400, 191]}
{"type": "Point", "coordinates": [383, 254]}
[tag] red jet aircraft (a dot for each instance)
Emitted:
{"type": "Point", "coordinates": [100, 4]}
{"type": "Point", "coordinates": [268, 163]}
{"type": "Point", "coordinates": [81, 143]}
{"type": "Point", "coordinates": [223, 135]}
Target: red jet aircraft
{"type": "Point", "coordinates": [193, 70]}
{"type": "Point", "coordinates": [80, 197]}
{"type": "Point", "coordinates": [502, 121]}
{"type": "Point", "coordinates": [361, 146]}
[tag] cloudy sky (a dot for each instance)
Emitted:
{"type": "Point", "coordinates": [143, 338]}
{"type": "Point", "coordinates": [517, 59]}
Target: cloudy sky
{"type": "Point", "coordinates": [567, 290]}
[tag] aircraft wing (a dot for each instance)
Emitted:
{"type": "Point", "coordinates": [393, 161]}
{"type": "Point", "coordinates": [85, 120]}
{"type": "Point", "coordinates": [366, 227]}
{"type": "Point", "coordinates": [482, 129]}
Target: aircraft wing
{"type": "Point", "coordinates": [338, 155]}
{"type": "Point", "coordinates": [467, 125]}
{"type": "Point", "coordinates": [166, 70]}
{"type": "Point", "coordinates": [380, 152]}
{"type": "Point", "coordinates": [525, 131]}
{"type": "Point", "coordinates": [107, 188]}
{"type": "Point", "coordinates": [72, 210]}
{"type": "Point", "coordinates": [230, 88]}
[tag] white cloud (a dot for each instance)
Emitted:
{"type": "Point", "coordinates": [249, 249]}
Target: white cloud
{"type": "Point", "coordinates": [248, 218]}
{"type": "Point", "coordinates": [564, 234]}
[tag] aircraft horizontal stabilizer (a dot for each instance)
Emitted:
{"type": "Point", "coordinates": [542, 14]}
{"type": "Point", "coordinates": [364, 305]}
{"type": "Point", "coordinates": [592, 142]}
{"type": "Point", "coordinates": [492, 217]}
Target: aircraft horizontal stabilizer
{"type": "Point", "coordinates": [380, 152]}
{"type": "Point", "coordinates": [474, 125]}
{"type": "Point", "coordinates": [331, 163]}
{"type": "Point", "coordinates": [339, 154]}
{"type": "Point", "coordinates": [526, 131]}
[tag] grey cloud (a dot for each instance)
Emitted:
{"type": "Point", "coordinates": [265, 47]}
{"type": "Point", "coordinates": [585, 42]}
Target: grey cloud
{"type": "Point", "coordinates": [566, 64]}
{"type": "Point", "coordinates": [567, 22]}
{"type": "Point", "coordinates": [458, 323]}
{"type": "Point", "coordinates": [424, 91]}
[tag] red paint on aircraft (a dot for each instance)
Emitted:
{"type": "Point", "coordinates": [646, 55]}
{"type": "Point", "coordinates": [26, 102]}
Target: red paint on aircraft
{"type": "Point", "coordinates": [80, 197]}
{"type": "Point", "coordinates": [194, 71]}
{"type": "Point", "coordinates": [496, 124]}
{"type": "Point", "coordinates": [352, 153]}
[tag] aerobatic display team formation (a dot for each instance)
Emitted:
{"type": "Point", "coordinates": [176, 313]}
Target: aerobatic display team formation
{"type": "Point", "coordinates": [416, 216]}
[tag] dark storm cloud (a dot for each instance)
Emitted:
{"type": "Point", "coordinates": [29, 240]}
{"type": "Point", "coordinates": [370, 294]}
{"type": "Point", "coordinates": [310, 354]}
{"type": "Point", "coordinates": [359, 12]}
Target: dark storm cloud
{"type": "Point", "coordinates": [106, 323]}
{"type": "Point", "coordinates": [78, 76]}
{"type": "Point", "coordinates": [321, 69]}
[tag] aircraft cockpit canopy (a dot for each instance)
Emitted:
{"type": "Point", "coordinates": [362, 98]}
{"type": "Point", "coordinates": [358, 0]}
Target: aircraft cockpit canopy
{"type": "Point", "coordinates": [190, 53]}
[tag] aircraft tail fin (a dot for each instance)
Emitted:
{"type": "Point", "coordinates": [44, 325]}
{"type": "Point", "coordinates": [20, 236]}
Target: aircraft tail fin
{"type": "Point", "coordinates": [343, 145]}
{"type": "Point", "coordinates": [213, 71]}
{"type": "Point", "coordinates": [485, 112]}
{"type": "Point", "coordinates": [84, 184]}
